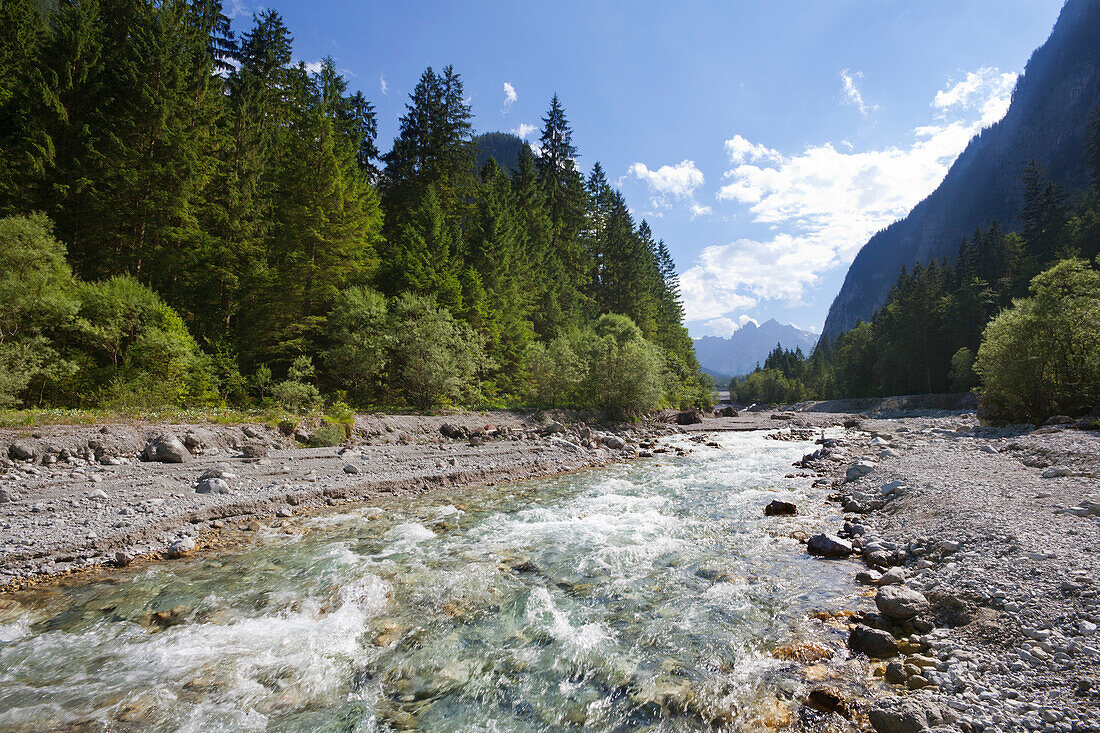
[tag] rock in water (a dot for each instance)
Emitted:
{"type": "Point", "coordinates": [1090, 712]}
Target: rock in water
{"type": "Point", "coordinates": [780, 509]}
{"type": "Point", "coordinates": [829, 545]}
{"type": "Point", "coordinates": [900, 603]}
{"type": "Point", "coordinates": [166, 448]}
{"type": "Point", "coordinates": [872, 642]}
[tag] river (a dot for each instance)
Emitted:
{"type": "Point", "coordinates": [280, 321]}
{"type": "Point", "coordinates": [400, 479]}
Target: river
{"type": "Point", "coordinates": [642, 596]}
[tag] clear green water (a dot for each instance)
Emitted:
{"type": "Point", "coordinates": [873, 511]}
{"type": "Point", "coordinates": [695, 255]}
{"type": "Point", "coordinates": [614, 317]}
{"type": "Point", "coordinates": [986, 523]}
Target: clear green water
{"type": "Point", "coordinates": [644, 596]}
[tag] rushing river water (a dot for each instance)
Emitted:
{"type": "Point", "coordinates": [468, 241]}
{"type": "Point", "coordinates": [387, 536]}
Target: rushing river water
{"type": "Point", "coordinates": [644, 596]}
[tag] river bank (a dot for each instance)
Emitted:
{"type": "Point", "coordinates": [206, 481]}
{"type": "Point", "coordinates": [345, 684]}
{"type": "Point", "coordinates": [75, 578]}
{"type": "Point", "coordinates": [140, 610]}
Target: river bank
{"type": "Point", "coordinates": [993, 535]}
{"type": "Point", "coordinates": [77, 497]}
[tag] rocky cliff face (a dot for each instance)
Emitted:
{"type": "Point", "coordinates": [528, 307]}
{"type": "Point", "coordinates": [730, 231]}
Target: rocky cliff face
{"type": "Point", "coordinates": [1045, 122]}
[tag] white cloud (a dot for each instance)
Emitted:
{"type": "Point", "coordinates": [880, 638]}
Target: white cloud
{"type": "Point", "coordinates": [726, 327]}
{"type": "Point", "coordinates": [825, 202]}
{"type": "Point", "coordinates": [988, 90]}
{"type": "Point", "coordinates": [698, 209]}
{"type": "Point", "coordinates": [852, 95]}
{"type": "Point", "coordinates": [740, 150]}
{"type": "Point", "coordinates": [382, 84]}
{"type": "Point", "coordinates": [313, 67]}
{"type": "Point", "coordinates": [510, 95]}
{"type": "Point", "coordinates": [523, 130]}
{"type": "Point", "coordinates": [678, 180]}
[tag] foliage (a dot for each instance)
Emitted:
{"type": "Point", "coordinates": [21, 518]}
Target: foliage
{"type": "Point", "coordinates": [295, 393]}
{"type": "Point", "coordinates": [211, 192]}
{"type": "Point", "coordinates": [328, 434]}
{"type": "Point", "coordinates": [1042, 356]}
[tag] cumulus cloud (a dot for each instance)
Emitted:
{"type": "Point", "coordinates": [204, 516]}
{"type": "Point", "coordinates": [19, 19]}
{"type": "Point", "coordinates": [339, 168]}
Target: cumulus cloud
{"type": "Point", "coordinates": [741, 150]}
{"type": "Point", "coordinates": [826, 201]}
{"type": "Point", "coordinates": [726, 327]}
{"type": "Point", "coordinates": [382, 84]}
{"type": "Point", "coordinates": [851, 92]}
{"type": "Point", "coordinates": [698, 210]}
{"type": "Point", "coordinates": [313, 67]}
{"type": "Point", "coordinates": [678, 180]}
{"type": "Point", "coordinates": [987, 90]}
{"type": "Point", "coordinates": [523, 130]}
{"type": "Point", "coordinates": [510, 95]}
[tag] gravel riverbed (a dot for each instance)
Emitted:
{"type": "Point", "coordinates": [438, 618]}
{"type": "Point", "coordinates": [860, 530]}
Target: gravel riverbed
{"type": "Point", "coordinates": [993, 538]}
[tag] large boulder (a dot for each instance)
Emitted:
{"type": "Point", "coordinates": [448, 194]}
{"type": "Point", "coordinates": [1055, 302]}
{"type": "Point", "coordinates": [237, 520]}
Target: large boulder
{"type": "Point", "coordinates": [872, 642]}
{"type": "Point", "coordinates": [727, 411]}
{"type": "Point", "coordinates": [22, 450]}
{"type": "Point", "coordinates": [829, 545]}
{"type": "Point", "coordinates": [900, 603]}
{"type": "Point", "coordinates": [454, 432]}
{"type": "Point", "coordinates": [614, 442]}
{"type": "Point", "coordinates": [904, 715]}
{"type": "Point", "coordinates": [689, 417]}
{"type": "Point", "coordinates": [858, 471]}
{"type": "Point", "coordinates": [212, 486]}
{"type": "Point", "coordinates": [166, 448]}
{"type": "Point", "coordinates": [553, 428]}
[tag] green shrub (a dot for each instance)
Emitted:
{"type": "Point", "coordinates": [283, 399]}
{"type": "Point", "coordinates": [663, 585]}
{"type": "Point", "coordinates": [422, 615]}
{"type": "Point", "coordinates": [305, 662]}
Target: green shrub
{"type": "Point", "coordinates": [1042, 356]}
{"type": "Point", "coordinates": [328, 434]}
{"type": "Point", "coordinates": [357, 329]}
{"type": "Point", "coordinates": [37, 298]}
{"type": "Point", "coordinates": [294, 393]}
{"type": "Point", "coordinates": [962, 375]}
{"type": "Point", "coordinates": [435, 358]}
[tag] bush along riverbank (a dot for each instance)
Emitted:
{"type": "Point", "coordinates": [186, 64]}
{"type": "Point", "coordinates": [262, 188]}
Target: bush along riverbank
{"type": "Point", "coordinates": [982, 555]}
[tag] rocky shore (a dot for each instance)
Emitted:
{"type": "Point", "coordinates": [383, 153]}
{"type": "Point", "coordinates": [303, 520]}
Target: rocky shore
{"type": "Point", "coordinates": [981, 549]}
{"type": "Point", "coordinates": [77, 497]}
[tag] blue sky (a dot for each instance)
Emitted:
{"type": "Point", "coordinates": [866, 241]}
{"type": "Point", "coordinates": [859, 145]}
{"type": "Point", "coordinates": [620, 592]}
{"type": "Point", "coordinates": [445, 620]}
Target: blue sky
{"type": "Point", "coordinates": [763, 141]}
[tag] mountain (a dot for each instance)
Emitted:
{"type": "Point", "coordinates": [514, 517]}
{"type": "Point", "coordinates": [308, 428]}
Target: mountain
{"type": "Point", "coordinates": [749, 345]}
{"type": "Point", "coordinates": [503, 147]}
{"type": "Point", "coordinates": [1046, 122]}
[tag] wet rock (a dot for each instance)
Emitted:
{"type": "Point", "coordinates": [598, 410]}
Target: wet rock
{"type": "Point", "coordinates": [872, 642]}
{"type": "Point", "coordinates": [173, 617]}
{"type": "Point", "coordinates": [895, 673]}
{"type": "Point", "coordinates": [166, 448]}
{"type": "Point", "coordinates": [212, 486]}
{"type": "Point", "coordinates": [829, 545]}
{"type": "Point", "coordinates": [778, 508]}
{"type": "Point", "coordinates": [22, 450]}
{"type": "Point", "coordinates": [122, 559]}
{"type": "Point", "coordinates": [900, 603]}
{"type": "Point", "coordinates": [179, 548]}
{"type": "Point", "coordinates": [830, 700]}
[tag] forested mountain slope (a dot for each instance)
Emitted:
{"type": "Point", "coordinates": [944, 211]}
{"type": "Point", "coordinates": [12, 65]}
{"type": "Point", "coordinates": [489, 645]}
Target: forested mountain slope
{"type": "Point", "coordinates": [749, 346]}
{"type": "Point", "coordinates": [1046, 122]}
